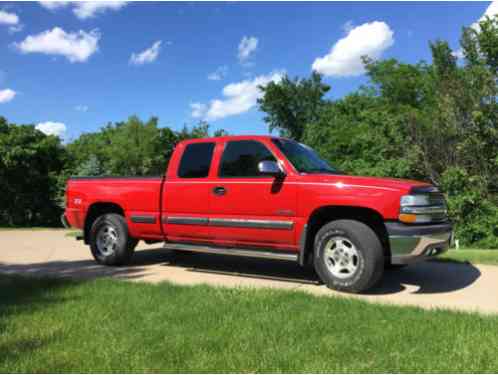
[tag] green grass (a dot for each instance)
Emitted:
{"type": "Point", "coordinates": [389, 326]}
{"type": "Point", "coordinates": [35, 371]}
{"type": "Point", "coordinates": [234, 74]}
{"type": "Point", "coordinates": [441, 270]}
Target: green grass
{"type": "Point", "coordinates": [472, 256]}
{"type": "Point", "coordinates": [74, 233]}
{"type": "Point", "coordinates": [117, 326]}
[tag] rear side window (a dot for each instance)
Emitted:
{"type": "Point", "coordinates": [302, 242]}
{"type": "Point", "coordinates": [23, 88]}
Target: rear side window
{"type": "Point", "coordinates": [241, 159]}
{"type": "Point", "coordinates": [196, 160]}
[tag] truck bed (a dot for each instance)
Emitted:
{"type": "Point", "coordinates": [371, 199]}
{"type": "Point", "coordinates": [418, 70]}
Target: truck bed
{"type": "Point", "coordinates": [138, 196]}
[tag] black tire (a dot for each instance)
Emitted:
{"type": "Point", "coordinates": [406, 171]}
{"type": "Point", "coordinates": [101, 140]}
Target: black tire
{"type": "Point", "coordinates": [369, 262]}
{"type": "Point", "coordinates": [124, 244]}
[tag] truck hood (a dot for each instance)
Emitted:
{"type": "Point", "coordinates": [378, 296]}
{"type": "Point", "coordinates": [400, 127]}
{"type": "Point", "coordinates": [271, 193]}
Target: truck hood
{"type": "Point", "coordinates": [401, 185]}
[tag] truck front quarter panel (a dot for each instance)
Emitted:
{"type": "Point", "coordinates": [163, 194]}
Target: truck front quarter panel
{"type": "Point", "coordinates": [312, 196]}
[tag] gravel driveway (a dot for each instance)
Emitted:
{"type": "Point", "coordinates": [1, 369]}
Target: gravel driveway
{"type": "Point", "coordinates": [428, 285]}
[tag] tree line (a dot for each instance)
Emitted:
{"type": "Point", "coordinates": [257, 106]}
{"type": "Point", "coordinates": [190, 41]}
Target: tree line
{"type": "Point", "coordinates": [432, 121]}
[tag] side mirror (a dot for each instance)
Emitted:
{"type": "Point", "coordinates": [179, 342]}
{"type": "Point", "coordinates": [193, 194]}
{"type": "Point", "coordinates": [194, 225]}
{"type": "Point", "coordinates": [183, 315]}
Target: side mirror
{"type": "Point", "coordinates": [270, 168]}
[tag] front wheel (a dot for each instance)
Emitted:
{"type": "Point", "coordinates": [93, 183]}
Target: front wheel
{"type": "Point", "coordinates": [110, 242]}
{"type": "Point", "coordinates": [348, 256]}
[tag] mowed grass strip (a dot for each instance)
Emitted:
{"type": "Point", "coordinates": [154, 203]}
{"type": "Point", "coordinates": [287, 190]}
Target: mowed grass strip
{"type": "Point", "coordinates": [117, 326]}
{"type": "Point", "coordinates": [472, 256]}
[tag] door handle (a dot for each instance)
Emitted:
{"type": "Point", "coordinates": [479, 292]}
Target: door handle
{"type": "Point", "coordinates": [219, 190]}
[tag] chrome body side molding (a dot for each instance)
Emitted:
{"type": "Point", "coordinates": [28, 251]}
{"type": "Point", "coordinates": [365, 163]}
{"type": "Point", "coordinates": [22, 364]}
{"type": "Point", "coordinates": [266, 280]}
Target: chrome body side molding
{"type": "Point", "coordinates": [233, 223]}
{"type": "Point", "coordinates": [247, 223]}
{"type": "Point", "coordinates": [143, 219]}
{"type": "Point", "coordinates": [183, 220]}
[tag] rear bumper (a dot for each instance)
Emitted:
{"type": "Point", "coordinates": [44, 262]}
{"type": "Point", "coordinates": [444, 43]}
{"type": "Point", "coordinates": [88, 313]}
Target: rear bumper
{"type": "Point", "coordinates": [413, 243]}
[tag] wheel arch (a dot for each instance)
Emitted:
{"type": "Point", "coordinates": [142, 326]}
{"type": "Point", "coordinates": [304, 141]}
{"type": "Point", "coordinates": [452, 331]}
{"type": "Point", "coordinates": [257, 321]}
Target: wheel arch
{"type": "Point", "coordinates": [322, 215]}
{"type": "Point", "coordinates": [97, 209]}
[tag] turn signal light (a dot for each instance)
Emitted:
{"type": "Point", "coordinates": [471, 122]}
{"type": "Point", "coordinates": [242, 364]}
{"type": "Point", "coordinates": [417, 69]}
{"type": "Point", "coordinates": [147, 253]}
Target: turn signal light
{"type": "Point", "coordinates": [408, 218]}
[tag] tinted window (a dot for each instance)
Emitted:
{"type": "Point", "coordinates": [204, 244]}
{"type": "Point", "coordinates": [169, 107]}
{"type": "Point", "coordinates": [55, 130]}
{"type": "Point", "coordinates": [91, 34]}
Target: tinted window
{"type": "Point", "coordinates": [304, 158]}
{"type": "Point", "coordinates": [196, 160]}
{"type": "Point", "coordinates": [241, 159]}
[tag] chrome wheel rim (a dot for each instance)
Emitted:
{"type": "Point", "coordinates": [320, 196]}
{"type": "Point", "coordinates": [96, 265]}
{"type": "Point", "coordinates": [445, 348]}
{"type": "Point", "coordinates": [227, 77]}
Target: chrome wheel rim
{"type": "Point", "coordinates": [107, 240]}
{"type": "Point", "coordinates": [341, 257]}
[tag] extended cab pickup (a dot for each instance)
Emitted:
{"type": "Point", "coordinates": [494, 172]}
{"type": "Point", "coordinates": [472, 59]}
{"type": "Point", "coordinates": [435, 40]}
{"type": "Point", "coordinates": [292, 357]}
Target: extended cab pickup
{"type": "Point", "coordinates": [266, 197]}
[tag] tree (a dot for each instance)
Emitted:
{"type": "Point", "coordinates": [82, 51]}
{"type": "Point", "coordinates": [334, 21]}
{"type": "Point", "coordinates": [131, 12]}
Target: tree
{"type": "Point", "coordinates": [30, 163]}
{"type": "Point", "coordinates": [91, 167]}
{"type": "Point", "coordinates": [132, 147]}
{"type": "Point", "coordinates": [292, 104]}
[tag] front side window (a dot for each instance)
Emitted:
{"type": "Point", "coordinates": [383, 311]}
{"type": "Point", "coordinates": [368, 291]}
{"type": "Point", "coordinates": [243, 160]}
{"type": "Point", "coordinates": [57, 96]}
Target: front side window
{"type": "Point", "coordinates": [303, 158]}
{"type": "Point", "coordinates": [241, 159]}
{"type": "Point", "coordinates": [196, 160]}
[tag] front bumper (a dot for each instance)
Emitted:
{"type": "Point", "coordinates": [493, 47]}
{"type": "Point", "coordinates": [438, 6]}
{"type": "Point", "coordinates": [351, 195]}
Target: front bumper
{"type": "Point", "coordinates": [413, 243]}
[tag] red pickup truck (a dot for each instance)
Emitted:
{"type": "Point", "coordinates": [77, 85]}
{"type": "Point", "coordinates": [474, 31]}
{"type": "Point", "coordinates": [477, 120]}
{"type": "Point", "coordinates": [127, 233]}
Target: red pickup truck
{"type": "Point", "coordinates": [267, 197]}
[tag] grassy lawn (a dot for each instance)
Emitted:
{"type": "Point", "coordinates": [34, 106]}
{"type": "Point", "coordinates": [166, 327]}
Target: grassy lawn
{"type": "Point", "coordinates": [117, 326]}
{"type": "Point", "coordinates": [74, 233]}
{"type": "Point", "coordinates": [472, 256]}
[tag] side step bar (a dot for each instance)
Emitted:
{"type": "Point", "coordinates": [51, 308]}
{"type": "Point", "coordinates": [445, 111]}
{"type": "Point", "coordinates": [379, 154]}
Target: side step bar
{"type": "Point", "coordinates": [232, 251]}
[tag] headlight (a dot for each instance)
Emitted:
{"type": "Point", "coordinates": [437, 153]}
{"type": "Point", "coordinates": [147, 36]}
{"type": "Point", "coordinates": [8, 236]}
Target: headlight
{"type": "Point", "coordinates": [423, 208]}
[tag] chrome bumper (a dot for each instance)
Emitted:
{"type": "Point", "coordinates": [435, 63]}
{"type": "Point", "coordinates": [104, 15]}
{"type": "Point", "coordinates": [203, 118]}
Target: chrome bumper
{"type": "Point", "coordinates": [413, 243]}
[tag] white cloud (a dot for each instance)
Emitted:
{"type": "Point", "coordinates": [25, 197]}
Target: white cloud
{"type": "Point", "coordinates": [53, 4]}
{"type": "Point", "coordinates": [89, 9]}
{"type": "Point", "coordinates": [52, 128]}
{"type": "Point", "coordinates": [490, 12]}
{"type": "Point", "coordinates": [75, 46]}
{"type": "Point", "coordinates": [81, 108]}
{"type": "Point", "coordinates": [198, 110]}
{"type": "Point", "coordinates": [7, 95]}
{"type": "Point", "coordinates": [147, 56]}
{"type": "Point", "coordinates": [458, 54]}
{"type": "Point", "coordinates": [16, 28]}
{"type": "Point", "coordinates": [238, 98]}
{"type": "Point", "coordinates": [85, 9]}
{"type": "Point", "coordinates": [344, 59]}
{"type": "Point", "coordinates": [7, 18]}
{"type": "Point", "coordinates": [247, 47]}
{"type": "Point", "coordinates": [218, 74]}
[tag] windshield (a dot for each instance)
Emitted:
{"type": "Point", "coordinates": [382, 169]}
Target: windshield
{"type": "Point", "coordinates": [303, 158]}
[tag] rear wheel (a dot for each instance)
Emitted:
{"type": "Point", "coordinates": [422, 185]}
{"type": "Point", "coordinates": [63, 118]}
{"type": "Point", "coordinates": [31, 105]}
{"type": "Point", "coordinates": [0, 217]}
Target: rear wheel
{"type": "Point", "coordinates": [348, 256]}
{"type": "Point", "coordinates": [110, 242]}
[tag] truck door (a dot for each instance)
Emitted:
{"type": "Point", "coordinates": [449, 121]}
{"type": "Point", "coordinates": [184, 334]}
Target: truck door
{"type": "Point", "coordinates": [186, 192]}
{"type": "Point", "coordinates": [247, 208]}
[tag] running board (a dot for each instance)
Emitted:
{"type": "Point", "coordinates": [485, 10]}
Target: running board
{"type": "Point", "coordinates": [232, 251]}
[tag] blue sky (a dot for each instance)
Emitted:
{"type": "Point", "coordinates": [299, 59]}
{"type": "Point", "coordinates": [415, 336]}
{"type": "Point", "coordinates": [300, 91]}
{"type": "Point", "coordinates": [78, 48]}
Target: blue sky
{"type": "Point", "coordinates": [83, 65]}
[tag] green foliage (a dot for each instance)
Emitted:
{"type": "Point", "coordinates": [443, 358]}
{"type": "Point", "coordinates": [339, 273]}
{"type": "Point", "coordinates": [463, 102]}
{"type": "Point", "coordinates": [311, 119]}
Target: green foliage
{"type": "Point", "coordinates": [91, 167]}
{"type": "Point", "coordinates": [290, 104]}
{"type": "Point", "coordinates": [130, 148]}
{"type": "Point", "coordinates": [474, 212]}
{"type": "Point", "coordinates": [30, 163]}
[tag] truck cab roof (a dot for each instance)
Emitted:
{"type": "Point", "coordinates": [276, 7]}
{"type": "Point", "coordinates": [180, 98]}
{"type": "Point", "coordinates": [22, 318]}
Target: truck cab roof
{"type": "Point", "coordinates": [226, 138]}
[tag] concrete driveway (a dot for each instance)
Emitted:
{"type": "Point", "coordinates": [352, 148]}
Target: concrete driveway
{"type": "Point", "coordinates": [428, 285]}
